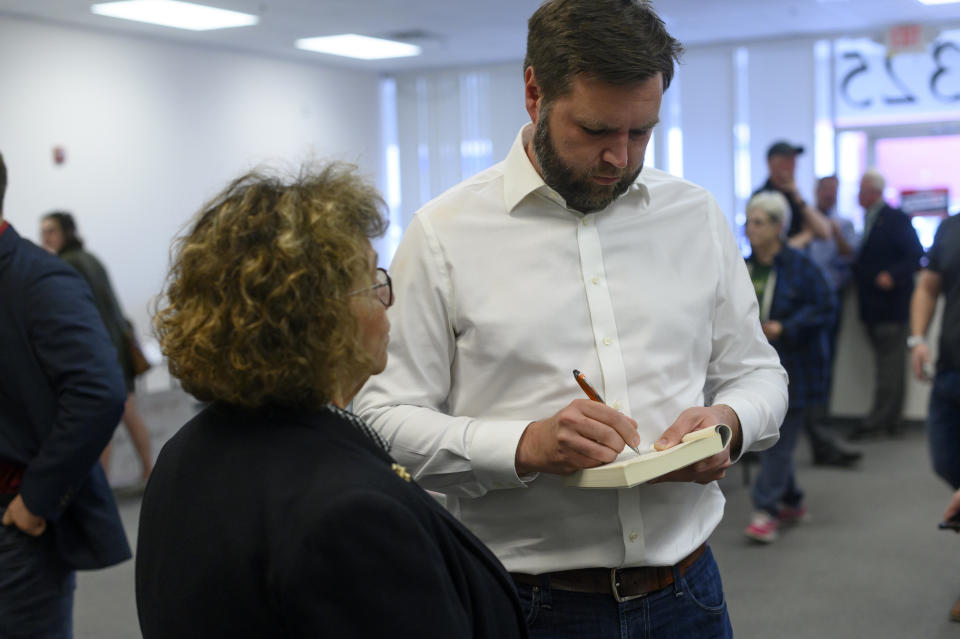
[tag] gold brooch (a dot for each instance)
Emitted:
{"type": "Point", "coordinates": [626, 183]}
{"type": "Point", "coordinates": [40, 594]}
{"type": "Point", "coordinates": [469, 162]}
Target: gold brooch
{"type": "Point", "coordinates": [401, 472]}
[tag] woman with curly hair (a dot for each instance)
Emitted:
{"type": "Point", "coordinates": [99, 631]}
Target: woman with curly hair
{"type": "Point", "coordinates": [275, 512]}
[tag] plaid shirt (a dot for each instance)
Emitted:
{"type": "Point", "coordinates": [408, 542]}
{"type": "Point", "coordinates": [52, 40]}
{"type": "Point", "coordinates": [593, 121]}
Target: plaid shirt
{"type": "Point", "coordinates": [360, 425]}
{"type": "Point", "coordinates": [804, 305]}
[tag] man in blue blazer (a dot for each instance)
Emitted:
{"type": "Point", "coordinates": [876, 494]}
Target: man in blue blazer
{"type": "Point", "coordinates": [61, 395]}
{"type": "Point", "coordinates": [884, 271]}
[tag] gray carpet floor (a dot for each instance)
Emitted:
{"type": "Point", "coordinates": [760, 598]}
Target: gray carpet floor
{"type": "Point", "coordinates": [870, 562]}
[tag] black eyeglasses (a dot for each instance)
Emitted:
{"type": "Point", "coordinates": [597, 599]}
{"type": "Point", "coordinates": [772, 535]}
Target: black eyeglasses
{"type": "Point", "coordinates": [383, 287]}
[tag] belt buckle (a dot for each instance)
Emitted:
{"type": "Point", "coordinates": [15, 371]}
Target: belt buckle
{"type": "Point", "coordinates": [614, 587]}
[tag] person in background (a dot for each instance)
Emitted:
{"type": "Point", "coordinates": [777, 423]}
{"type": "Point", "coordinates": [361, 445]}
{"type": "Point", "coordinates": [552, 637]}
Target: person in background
{"type": "Point", "coordinates": [884, 272]}
{"type": "Point", "coordinates": [941, 276]}
{"type": "Point", "coordinates": [796, 310]}
{"type": "Point", "coordinates": [805, 222]}
{"type": "Point", "coordinates": [61, 394]}
{"type": "Point", "coordinates": [275, 512]}
{"type": "Point", "coordinates": [572, 254]}
{"type": "Point", "coordinates": [58, 231]}
{"type": "Point", "coordinates": [833, 255]}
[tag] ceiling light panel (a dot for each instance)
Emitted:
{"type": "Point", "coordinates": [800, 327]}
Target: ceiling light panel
{"type": "Point", "coordinates": [351, 45]}
{"type": "Point", "coordinates": [173, 13]}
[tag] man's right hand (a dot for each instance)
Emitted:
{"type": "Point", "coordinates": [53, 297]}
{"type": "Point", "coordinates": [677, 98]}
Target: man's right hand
{"type": "Point", "coordinates": [584, 434]}
{"type": "Point", "coordinates": [919, 358]}
{"type": "Point", "coordinates": [17, 514]}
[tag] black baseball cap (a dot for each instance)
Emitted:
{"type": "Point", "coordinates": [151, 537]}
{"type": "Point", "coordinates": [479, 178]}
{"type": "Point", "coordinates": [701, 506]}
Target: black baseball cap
{"type": "Point", "coordinates": [782, 147]}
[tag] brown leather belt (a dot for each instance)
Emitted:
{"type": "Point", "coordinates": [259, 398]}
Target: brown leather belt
{"type": "Point", "coordinates": [623, 584]}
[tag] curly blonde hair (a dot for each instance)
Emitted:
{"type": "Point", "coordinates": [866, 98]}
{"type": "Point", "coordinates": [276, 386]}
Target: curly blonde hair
{"type": "Point", "coordinates": [256, 307]}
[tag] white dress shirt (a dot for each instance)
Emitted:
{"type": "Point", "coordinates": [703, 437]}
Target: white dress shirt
{"type": "Point", "coordinates": [501, 291]}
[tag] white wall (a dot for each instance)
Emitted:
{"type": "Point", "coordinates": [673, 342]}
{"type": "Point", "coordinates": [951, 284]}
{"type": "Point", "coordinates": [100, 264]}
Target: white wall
{"type": "Point", "coordinates": [437, 111]}
{"type": "Point", "coordinates": [152, 130]}
{"type": "Point", "coordinates": [706, 104]}
{"type": "Point", "coordinates": [782, 105]}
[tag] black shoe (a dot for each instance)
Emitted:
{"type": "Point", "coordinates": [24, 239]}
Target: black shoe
{"type": "Point", "coordinates": [861, 434]}
{"type": "Point", "coordinates": [836, 457]}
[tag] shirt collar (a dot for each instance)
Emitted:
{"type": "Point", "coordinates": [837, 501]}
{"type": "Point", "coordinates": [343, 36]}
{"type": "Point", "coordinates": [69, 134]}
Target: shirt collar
{"type": "Point", "coordinates": [521, 178]}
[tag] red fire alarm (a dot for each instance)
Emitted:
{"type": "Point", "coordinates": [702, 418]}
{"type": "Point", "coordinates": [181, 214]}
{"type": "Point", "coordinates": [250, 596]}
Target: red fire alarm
{"type": "Point", "coordinates": [59, 155]}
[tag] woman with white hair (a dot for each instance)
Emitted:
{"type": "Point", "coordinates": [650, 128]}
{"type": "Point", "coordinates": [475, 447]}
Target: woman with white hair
{"type": "Point", "coordinates": [796, 307]}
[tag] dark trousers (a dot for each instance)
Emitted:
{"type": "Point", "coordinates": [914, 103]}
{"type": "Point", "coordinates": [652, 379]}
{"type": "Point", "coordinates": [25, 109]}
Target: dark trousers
{"type": "Point", "coordinates": [36, 587]}
{"type": "Point", "coordinates": [776, 482]}
{"type": "Point", "coordinates": [692, 608]}
{"type": "Point", "coordinates": [889, 342]}
{"type": "Point", "coordinates": [943, 425]}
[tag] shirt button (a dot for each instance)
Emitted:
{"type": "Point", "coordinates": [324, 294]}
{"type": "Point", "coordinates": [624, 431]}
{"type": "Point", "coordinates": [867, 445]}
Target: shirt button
{"type": "Point", "coordinates": [595, 280]}
{"type": "Point", "coordinates": [607, 341]}
{"type": "Point", "coordinates": [617, 405]}
{"type": "Point", "coordinates": [633, 536]}
{"type": "Point", "coordinates": [586, 220]}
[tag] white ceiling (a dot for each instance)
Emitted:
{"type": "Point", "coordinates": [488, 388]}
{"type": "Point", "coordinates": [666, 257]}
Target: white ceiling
{"type": "Point", "coordinates": [457, 32]}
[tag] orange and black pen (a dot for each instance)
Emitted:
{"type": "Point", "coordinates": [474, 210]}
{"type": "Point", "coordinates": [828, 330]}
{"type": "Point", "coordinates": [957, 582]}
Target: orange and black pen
{"type": "Point", "coordinates": [587, 388]}
{"type": "Point", "coordinates": [594, 395]}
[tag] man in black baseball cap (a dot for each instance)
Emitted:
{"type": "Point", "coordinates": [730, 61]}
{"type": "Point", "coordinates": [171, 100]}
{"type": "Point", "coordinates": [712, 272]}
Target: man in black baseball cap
{"type": "Point", "coordinates": [806, 222]}
{"type": "Point", "coordinates": [782, 147]}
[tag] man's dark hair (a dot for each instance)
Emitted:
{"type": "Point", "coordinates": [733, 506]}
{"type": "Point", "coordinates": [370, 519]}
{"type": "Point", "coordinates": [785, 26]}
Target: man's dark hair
{"type": "Point", "coordinates": [3, 182]}
{"type": "Point", "coordinates": [617, 41]}
{"type": "Point", "coordinates": [69, 228]}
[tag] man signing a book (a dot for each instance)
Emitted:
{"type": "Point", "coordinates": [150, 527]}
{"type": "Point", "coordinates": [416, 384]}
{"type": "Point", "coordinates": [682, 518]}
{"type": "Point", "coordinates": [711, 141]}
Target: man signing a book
{"type": "Point", "coordinates": [567, 255]}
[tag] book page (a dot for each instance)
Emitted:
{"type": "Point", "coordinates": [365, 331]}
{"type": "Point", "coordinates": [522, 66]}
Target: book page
{"type": "Point", "coordinates": [693, 447]}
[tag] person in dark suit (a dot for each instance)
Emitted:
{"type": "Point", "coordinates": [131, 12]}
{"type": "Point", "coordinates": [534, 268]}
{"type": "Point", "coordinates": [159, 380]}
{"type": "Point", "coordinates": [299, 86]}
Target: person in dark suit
{"type": "Point", "coordinates": [884, 271]}
{"type": "Point", "coordinates": [61, 395]}
{"type": "Point", "coordinates": [276, 512]}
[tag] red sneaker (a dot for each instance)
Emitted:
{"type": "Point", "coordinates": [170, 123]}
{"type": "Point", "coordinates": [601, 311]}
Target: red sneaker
{"type": "Point", "coordinates": [762, 528]}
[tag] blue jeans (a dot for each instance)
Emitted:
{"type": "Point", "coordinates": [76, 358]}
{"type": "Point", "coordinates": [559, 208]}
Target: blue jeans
{"type": "Point", "coordinates": [36, 587]}
{"type": "Point", "coordinates": [943, 426]}
{"type": "Point", "coordinates": [777, 480]}
{"type": "Point", "coordinates": [692, 608]}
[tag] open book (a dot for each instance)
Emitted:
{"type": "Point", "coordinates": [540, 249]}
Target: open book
{"type": "Point", "coordinates": [694, 446]}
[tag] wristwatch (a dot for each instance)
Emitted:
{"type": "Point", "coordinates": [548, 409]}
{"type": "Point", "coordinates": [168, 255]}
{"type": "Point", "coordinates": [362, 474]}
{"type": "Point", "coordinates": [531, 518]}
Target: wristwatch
{"type": "Point", "coordinates": [915, 340]}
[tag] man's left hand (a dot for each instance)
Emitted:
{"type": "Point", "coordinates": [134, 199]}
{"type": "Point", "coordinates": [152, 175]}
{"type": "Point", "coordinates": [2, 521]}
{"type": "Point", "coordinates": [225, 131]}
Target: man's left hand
{"type": "Point", "coordinates": [17, 514]}
{"type": "Point", "coordinates": [698, 418]}
{"type": "Point", "coordinates": [772, 330]}
{"type": "Point", "coordinates": [884, 281]}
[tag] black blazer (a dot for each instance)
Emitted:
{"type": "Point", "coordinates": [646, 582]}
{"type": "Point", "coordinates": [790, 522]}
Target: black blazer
{"type": "Point", "coordinates": [273, 523]}
{"type": "Point", "coordinates": [892, 246]}
{"type": "Point", "coordinates": [61, 396]}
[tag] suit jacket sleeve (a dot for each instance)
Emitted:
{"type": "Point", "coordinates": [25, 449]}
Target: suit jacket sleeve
{"type": "Point", "coordinates": [79, 361]}
{"type": "Point", "coordinates": [365, 567]}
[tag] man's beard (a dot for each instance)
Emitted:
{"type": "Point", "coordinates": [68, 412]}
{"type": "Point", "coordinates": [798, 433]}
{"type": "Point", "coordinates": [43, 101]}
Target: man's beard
{"type": "Point", "coordinates": [580, 192]}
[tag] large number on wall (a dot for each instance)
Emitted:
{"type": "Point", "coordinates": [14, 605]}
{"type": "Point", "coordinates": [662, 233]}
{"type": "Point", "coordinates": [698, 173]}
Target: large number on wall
{"type": "Point", "coordinates": [873, 88]}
